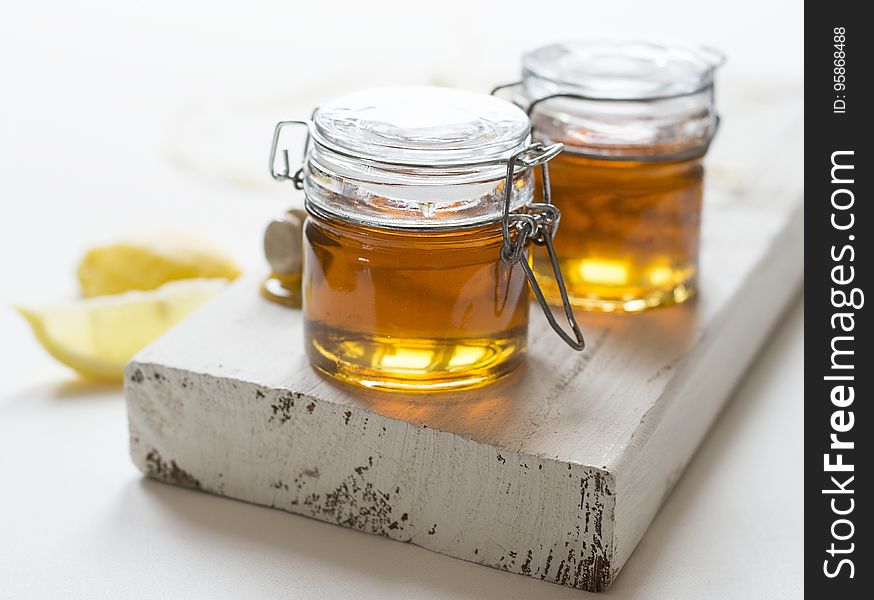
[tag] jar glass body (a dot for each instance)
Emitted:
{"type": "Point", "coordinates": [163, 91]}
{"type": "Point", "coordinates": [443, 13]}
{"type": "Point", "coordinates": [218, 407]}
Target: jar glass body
{"type": "Point", "coordinates": [401, 310]}
{"type": "Point", "coordinates": [630, 182]}
{"type": "Point", "coordinates": [404, 286]}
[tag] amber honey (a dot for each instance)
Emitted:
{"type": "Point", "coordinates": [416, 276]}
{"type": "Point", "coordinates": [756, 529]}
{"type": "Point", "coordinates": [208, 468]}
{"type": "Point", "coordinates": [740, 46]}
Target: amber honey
{"type": "Point", "coordinates": [629, 231]}
{"type": "Point", "coordinates": [282, 289]}
{"type": "Point", "coordinates": [636, 119]}
{"type": "Point", "coordinates": [412, 310]}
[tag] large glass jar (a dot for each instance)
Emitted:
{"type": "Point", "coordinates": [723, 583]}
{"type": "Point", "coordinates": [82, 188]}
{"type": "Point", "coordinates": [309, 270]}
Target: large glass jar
{"type": "Point", "coordinates": [420, 209]}
{"type": "Point", "coordinates": [636, 120]}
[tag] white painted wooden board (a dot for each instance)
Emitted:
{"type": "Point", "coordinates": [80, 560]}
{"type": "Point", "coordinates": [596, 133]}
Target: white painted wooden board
{"type": "Point", "coordinates": [555, 474]}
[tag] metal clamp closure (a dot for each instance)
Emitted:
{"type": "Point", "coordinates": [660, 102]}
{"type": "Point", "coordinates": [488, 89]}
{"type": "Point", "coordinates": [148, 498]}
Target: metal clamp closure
{"type": "Point", "coordinates": [297, 178]}
{"type": "Point", "coordinates": [537, 223]}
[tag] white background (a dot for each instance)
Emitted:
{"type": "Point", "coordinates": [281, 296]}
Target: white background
{"type": "Point", "coordinates": [119, 117]}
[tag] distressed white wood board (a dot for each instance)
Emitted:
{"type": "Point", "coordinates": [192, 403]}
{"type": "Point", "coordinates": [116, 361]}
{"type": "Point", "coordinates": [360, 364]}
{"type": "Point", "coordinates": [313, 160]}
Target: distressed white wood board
{"type": "Point", "coordinates": [554, 474]}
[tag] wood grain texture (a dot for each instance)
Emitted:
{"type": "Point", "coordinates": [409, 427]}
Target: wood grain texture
{"type": "Point", "coordinates": [555, 473]}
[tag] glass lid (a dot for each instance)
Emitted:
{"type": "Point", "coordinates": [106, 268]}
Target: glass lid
{"type": "Point", "coordinates": [421, 126]}
{"type": "Point", "coordinates": [619, 70]}
{"type": "Point", "coordinates": [622, 100]}
{"type": "Point", "coordinates": [416, 157]}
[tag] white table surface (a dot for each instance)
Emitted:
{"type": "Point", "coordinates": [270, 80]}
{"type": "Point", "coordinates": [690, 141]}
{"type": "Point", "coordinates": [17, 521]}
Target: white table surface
{"type": "Point", "coordinates": [77, 520]}
{"type": "Point", "coordinates": [119, 118]}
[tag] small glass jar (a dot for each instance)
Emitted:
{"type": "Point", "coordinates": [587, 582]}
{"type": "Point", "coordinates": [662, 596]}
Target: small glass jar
{"type": "Point", "coordinates": [636, 120]}
{"type": "Point", "coordinates": [420, 208]}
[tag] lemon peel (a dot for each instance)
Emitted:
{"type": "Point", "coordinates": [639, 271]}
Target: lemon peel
{"type": "Point", "coordinates": [98, 336]}
{"type": "Point", "coordinates": [147, 262]}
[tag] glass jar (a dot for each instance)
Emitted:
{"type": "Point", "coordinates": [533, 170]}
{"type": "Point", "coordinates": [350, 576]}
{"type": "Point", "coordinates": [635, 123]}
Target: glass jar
{"type": "Point", "coordinates": [420, 208]}
{"type": "Point", "coordinates": [636, 120]}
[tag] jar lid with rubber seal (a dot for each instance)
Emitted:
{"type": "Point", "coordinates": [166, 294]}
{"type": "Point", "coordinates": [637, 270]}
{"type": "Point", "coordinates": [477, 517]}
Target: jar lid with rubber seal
{"type": "Point", "coordinates": [621, 99]}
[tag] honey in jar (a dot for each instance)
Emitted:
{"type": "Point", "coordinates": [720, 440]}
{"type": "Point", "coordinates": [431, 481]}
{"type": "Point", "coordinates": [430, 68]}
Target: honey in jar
{"type": "Point", "coordinates": [636, 121]}
{"type": "Point", "coordinates": [409, 280]}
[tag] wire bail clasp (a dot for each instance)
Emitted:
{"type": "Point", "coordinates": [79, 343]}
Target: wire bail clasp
{"type": "Point", "coordinates": [297, 178]}
{"type": "Point", "coordinates": [537, 223]}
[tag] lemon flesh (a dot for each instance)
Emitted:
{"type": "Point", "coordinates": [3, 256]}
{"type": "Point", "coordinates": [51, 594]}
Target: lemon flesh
{"type": "Point", "coordinates": [98, 336]}
{"type": "Point", "coordinates": [147, 263]}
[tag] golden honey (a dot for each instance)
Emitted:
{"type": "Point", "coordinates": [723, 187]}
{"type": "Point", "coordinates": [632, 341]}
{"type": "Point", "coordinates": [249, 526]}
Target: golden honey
{"type": "Point", "coordinates": [412, 311]}
{"type": "Point", "coordinates": [282, 289]}
{"type": "Point", "coordinates": [629, 233]}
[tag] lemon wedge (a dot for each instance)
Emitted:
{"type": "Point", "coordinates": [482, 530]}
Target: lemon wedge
{"type": "Point", "coordinates": [146, 263]}
{"type": "Point", "coordinates": [98, 336]}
